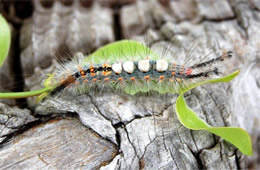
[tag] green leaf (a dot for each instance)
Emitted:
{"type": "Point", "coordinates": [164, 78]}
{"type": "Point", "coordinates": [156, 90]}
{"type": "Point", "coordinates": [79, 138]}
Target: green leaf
{"type": "Point", "coordinates": [121, 50]}
{"type": "Point", "coordinates": [5, 39]}
{"type": "Point", "coordinates": [236, 136]}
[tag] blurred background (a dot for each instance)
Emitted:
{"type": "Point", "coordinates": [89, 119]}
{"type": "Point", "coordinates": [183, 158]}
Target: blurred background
{"type": "Point", "coordinates": [45, 30]}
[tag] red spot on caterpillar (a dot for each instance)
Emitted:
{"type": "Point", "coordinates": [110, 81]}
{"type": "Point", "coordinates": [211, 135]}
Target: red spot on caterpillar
{"type": "Point", "coordinates": [106, 79]}
{"type": "Point", "coordinates": [91, 69]}
{"type": "Point", "coordinates": [82, 72]}
{"type": "Point", "coordinates": [94, 80]}
{"type": "Point", "coordinates": [92, 74]}
{"type": "Point", "coordinates": [188, 71]}
{"type": "Point", "coordinates": [173, 73]}
{"type": "Point", "coordinates": [161, 78]}
{"type": "Point", "coordinates": [120, 79]}
{"type": "Point", "coordinates": [106, 73]}
{"type": "Point", "coordinates": [132, 78]}
{"type": "Point", "coordinates": [147, 78]}
{"type": "Point", "coordinates": [85, 80]}
{"type": "Point", "coordinates": [83, 76]}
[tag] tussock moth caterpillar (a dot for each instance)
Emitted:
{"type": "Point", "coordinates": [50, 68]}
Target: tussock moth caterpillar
{"type": "Point", "coordinates": [132, 67]}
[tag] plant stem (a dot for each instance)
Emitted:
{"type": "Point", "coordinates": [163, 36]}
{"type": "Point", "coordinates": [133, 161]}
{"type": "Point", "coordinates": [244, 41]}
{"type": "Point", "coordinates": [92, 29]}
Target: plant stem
{"type": "Point", "coordinates": [16, 95]}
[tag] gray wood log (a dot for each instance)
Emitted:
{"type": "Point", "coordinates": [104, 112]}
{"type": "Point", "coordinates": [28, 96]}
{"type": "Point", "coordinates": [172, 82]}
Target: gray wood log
{"type": "Point", "coordinates": [119, 131]}
{"type": "Point", "coordinates": [61, 143]}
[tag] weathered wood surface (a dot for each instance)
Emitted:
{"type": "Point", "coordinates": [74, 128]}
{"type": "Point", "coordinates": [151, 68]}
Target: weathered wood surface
{"type": "Point", "coordinates": [139, 132]}
{"type": "Point", "coordinates": [64, 144]}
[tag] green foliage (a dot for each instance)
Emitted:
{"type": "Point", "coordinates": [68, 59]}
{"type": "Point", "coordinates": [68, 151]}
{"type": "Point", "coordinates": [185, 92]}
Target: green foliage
{"type": "Point", "coordinates": [234, 135]}
{"type": "Point", "coordinates": [189, 119]}
{"type": "Point", "coordinates": [121, 51]}
{"type": "Point", "coordinates": [5, 39]}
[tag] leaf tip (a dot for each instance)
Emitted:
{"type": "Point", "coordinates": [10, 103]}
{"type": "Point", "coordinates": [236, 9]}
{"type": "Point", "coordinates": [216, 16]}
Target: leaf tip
{"type": "Point", "coordinates": [237, 72]}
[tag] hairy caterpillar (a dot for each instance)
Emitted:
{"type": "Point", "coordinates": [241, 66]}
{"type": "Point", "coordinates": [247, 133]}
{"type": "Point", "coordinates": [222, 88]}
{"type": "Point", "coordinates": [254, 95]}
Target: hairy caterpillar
{"type": "Point", "coordinates": [132, 67]}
